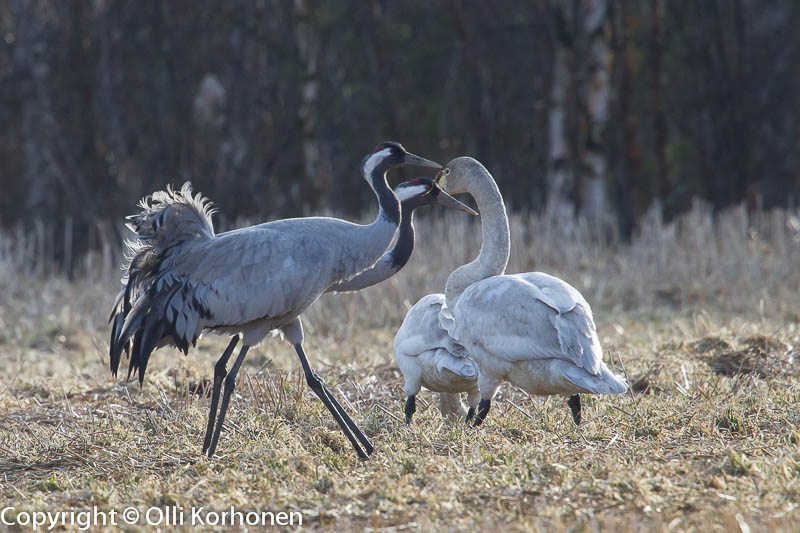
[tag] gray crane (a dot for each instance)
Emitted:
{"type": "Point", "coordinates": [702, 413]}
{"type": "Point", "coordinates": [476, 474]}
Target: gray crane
{"type": "Point", "coordinates": [182, 280]}
{"type": "Point", "coordinates": [412, 194]}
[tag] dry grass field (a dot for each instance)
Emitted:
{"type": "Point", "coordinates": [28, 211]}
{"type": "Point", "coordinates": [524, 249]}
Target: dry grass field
{"type": "Point", "coordinates": [702, 315]}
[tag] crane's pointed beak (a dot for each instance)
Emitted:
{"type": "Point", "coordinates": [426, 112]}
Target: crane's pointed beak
{"type": "Point", "coordinates": [412, 160]}
{"type": "Point", "coordinates": [448, 201]}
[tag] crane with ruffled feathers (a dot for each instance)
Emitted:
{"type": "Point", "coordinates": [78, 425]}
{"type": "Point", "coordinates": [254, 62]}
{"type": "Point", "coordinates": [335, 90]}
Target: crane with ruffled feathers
{"type": "Point", "coordinates": [183, 279]}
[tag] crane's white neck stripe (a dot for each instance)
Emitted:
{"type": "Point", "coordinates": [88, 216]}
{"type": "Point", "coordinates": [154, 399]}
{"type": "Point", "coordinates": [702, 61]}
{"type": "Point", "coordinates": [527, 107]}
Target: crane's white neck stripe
{"type": "Point", "coordinates": [404, 193]}
{"type": "Point", "coordinates": [374, 160]}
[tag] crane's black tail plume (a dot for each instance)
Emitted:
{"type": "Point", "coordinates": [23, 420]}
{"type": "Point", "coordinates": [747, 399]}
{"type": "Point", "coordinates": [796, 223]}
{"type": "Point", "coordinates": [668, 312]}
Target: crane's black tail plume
{"type": "Point", "coordinates": [141, 316]}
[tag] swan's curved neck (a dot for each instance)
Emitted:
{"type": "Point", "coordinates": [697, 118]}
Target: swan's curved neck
{"type": "Point", "coordinates": [496, 246]}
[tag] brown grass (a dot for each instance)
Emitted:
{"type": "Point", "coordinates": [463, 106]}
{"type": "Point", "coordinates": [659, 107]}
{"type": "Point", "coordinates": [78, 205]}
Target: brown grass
{"type": "Point", "coordinates": [703, 314]}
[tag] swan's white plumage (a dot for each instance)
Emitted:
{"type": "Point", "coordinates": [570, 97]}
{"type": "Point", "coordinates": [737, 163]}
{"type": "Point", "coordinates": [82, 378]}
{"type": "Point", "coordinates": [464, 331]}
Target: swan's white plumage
{"type": "Point", "coordinates": [427, 356]}
{"type": "Point", "coordinates": [533, 330]}
{"type": "Point", "coordinates": [524, 316]}
{"type": "Point", "coordinates": [459, 365]}
{"type": "Point", "coordinates": [420, 330]}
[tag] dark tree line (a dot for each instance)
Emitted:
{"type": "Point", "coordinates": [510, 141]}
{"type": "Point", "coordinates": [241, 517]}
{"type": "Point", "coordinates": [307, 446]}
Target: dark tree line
{"type": "Point", "coordinates": [269, 106]}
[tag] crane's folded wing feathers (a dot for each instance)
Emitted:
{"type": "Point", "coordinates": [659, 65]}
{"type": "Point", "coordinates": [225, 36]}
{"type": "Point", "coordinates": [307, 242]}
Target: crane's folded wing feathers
{"type": "Point", "coordinates": [253, 274]}
{"type": "Point", "coordinates": [229, 279]}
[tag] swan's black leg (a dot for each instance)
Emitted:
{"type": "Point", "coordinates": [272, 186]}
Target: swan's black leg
{"type": "Point", "coordinates": [574, 403]}
{"type": "Point", "coordinates": [483, 410]}
{"type": "Point", "coordinates": [410, 408]}
{"type": "Point", "coordinates": [470, 414]}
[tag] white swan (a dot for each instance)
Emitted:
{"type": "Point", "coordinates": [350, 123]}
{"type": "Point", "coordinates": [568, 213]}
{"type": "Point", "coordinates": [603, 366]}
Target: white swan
{"type": "Point", "coordinates": [427, 356]}
{"type": "Point", "coordinates": [533, 330]}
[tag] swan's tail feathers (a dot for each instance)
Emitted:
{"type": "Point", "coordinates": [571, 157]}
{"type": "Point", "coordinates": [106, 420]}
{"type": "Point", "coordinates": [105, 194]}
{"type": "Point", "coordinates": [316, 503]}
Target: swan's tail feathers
{"type": "Point", "coordinates": [616, 384]}
{"type": "Point", "coordinates": [578, 338]}
{"type": "Point", "coordinates": [606, 382]}
{"type": "Point", "coordinates": [450, 404]}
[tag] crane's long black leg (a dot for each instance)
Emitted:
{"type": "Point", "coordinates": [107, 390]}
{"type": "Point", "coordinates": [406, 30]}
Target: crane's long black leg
{"type": "Point", "coordinates": [220, 371]}
{"type": "Point", "coordinates": [349, 428]}
{"type": "Point", "coordinates": [411, 408]}
{"type": "Point", "coordinates": [346, 417]}
{"type": "Point", "coordinates": [354, 429]}
{"type": "Point", "coordinates": [574, 403]}
{"type": "Point", "coordinates": [483, 410]}
{"type": "Point", "coordinates": [470, 414]}
{"type": "Point", "coordinates": [230, 384]}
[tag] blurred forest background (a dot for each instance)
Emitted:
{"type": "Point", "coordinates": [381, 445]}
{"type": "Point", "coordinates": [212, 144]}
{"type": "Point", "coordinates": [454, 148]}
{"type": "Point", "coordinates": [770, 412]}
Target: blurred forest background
{"type": "Point", "coordinates": [606, 108]}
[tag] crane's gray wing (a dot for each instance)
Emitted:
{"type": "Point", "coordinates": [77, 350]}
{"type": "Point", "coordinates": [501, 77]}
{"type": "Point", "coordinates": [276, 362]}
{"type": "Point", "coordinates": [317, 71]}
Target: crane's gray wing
{"type": "Point", "coordinates": [272, 271]}
{"type": "Point", "coordinates": [255, 273]}
{"type": "Point", "coordinates": [526, 316]}
{"type": "Point", "coordinates": [421, 331]}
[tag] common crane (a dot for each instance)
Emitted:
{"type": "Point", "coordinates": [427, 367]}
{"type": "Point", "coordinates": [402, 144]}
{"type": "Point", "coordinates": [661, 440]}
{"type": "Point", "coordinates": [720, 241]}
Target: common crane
{"type": "Point", "coordinates": [533, 330]}
{"type": "Point", "coordinates": [182, 280]}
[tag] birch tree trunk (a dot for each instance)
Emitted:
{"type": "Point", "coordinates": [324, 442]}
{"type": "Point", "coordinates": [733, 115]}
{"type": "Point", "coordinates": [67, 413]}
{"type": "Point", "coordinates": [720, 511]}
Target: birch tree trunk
{"type": "Point", "coordinates": [579, 108]}
{"type": "Point", "coordinates": [596, 94]}
{"type": "Point", "coordinates": [560, 174]}
{"type": "Point", "coordinates": [309, 49]}
{"type": "Point", "coordinates": [625, 156]}
{"type": "Point", "coordinates": [657, 101]}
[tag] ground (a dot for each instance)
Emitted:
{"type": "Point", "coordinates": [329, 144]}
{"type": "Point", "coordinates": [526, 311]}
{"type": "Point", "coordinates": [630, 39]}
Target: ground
{"type": "Point", "coordinates": [702, 318]}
